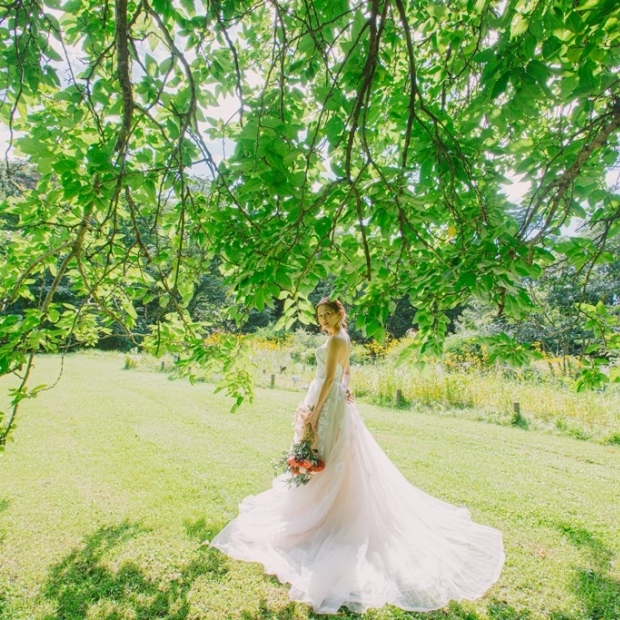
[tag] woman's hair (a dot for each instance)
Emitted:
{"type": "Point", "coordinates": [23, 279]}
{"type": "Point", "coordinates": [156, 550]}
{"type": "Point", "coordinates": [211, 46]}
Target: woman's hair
{"type": "Point", "coordinates": [336, 306]}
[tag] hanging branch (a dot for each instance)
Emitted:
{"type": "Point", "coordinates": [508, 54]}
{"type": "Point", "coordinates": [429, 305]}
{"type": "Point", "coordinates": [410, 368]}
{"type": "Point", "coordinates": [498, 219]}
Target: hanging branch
{"type": "Point", "coordinates": [123, 73]}
{"type": "Point", "coordinates": [413, 82]}
{"type": "Point", "coordinates": [235, 55]}
{"type": "Point", "coordinates": [360, 219]}
{"type": "Point", "coordinates": [560, 186]}
{"type": "Point", "coordinates": [367, 76]}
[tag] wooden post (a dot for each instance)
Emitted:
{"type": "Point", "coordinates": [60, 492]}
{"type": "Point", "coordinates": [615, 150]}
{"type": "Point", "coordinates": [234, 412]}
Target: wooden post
{"type": "Point", "coordinates": [163, 365]}
{"type": "Point", "coordinates": [517, 418]}
{"type": "Point", "coordinates": [273, 381]}
{"type": "Point", "coordinates": [399, 398]}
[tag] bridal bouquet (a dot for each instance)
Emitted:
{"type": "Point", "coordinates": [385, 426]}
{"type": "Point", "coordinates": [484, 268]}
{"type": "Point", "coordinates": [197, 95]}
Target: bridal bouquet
{"type": "Point", "coordinates": [302, 460]}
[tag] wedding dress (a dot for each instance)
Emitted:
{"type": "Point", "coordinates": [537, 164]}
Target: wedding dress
{"type": "Point", "coordinates": [359, 534]}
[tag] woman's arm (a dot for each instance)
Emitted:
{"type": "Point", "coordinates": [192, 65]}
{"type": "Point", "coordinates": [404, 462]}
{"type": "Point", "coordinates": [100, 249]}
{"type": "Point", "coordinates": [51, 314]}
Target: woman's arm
{"type": "Point", "coordinates": [335, 349]}
{"type": "Point", "coordinates": [346, 377]}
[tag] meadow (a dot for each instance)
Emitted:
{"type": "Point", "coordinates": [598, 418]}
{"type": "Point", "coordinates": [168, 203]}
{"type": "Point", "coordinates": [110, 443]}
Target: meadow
{"type": "Point", "coordinates": [117, 477]}
{"type": "Point", "coordinates": [460, 385]}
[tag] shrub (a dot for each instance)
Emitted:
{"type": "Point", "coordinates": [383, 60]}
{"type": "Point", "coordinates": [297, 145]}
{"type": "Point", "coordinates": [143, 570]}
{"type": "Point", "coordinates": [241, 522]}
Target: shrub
{"type": "Point", "coordinates": [130, 363]}
{"type": "Point", "coordinates": [465, 354]}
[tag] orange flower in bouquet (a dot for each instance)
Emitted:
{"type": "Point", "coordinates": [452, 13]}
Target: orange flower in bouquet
{"type": "Point", "coordinates": [302, 460]}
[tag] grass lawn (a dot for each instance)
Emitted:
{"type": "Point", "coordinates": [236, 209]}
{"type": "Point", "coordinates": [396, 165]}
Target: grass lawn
{"type": "Point", "coordinates": [116, 477]}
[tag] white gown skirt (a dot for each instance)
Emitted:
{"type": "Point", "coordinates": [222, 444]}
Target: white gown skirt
{"type": "Point", "coordinates": [359, 534]}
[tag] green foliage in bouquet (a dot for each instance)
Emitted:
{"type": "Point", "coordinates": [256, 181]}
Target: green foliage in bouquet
{"type": "Point", "coordinates": [302, 460]}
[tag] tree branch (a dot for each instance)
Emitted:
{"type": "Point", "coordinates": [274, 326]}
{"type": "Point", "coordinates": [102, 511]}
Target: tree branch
{"type": "Point", "coordinates": [124, 73]}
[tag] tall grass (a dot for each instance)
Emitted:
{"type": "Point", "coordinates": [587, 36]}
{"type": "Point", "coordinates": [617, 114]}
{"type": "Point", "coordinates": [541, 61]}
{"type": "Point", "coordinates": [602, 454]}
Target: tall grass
{"type": "Point", "coordinates": [475, 391]}
{"type": "Point", "coordinates": [549, 405]}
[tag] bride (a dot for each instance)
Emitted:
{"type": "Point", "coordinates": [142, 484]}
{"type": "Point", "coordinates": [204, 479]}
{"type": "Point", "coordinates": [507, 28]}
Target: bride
{"type": "Point", "coordinates": [359, 534]}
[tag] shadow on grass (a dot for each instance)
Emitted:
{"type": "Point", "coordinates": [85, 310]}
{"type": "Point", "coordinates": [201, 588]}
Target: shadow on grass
{"type": "Point", "coordinates": [580, 537]}
{"type": "Point", "coordinates": [496, 610]}
{"type": "Point", "coordinates": [82, 581]}
{"type": "Point", "coordinates": [454, 611]}
{"type": "Point", "coordinates": [599, 595]}
{"type": "Point", "coordinates": [267, 613]}
{"type": "Point", "coordinates": [82, 584]}
{"type": "Point", "coordinates": [199, 531]}
{"type": "Point", "coordinates": [598, 592]}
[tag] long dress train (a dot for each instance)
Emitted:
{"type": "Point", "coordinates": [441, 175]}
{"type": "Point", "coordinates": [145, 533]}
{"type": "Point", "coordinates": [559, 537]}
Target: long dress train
{"type": "Point", "coordinates": [359, 534]}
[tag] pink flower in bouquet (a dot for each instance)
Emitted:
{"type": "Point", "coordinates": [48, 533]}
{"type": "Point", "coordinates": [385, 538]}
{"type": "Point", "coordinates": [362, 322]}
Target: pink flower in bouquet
{"type": "Point", "coordinates": [302, 460]}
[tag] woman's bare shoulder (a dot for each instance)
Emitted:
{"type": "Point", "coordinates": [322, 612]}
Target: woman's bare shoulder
{"type": "Point", "coordinates": [338, 341]}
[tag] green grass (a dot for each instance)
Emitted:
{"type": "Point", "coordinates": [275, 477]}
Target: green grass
{"type": "Point", "coordinates": [117, 476]}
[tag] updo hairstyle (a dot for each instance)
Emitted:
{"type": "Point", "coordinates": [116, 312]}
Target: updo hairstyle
{"type": "Point", "coordinates": [334, 305]}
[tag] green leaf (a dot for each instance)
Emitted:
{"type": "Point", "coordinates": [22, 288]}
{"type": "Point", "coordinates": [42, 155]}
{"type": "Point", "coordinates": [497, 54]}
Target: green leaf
{"type": "Point", "coordinates": [152, 66]}
{"type": "Point", "coordinates": [53, 315]}
{"type": "Point", "coordinates": [189, 6]}
{"type": "Point", "coordinates": [500, 85]}
{"type": "Point", "coordinates": [550, 47]}
{"type": "Point", "coordinates": [518, 26]}
{"type": "Point", "coordinates": [466, 280]}
{"type": "Point", "coordinates": [334, 128]}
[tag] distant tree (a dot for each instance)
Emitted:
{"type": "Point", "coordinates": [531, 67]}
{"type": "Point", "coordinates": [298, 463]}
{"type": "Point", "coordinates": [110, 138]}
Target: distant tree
{"type": "Point", "coordinates": [561, 321]}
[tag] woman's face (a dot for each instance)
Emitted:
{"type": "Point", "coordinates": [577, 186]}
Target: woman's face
{"type": "Point", "coordinates": [328, 318]}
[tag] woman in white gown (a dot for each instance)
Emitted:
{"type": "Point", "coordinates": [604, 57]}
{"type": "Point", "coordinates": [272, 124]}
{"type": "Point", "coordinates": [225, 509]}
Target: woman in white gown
{"type": "Point", "coordinates": [359, 534]}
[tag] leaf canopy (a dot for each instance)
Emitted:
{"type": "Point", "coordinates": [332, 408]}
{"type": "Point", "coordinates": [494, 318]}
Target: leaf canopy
{"type": "Point", "coordinates": [366, 143]}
